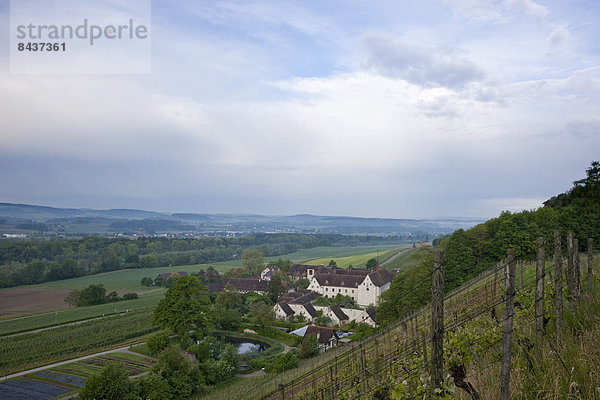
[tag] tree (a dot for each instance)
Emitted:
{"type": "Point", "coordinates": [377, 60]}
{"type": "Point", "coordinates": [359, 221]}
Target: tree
{"type": "Point", "coordinates": [301, 283]}
{"type": "Point", "coordinates": [372, 263]}
{"type": "Point", "coordinates": [152, 387]}
{"type": "Point", "coordinates": [186, 306]}
{"type": "Point", "coordinates": [332, 263]}
{"type": "Point", "coordinates": [92, 295]}
{"type": "Point", "coordinates": [112, 383]}
{"type": "Point", "coordinates": [183, 378]}
{"type": "Point", "coordinates": [252, 262]}
{"type": "Point", "coordinates": [229, 319]}
{"type": "Point", "coordinates": [322, 320]}
{"type": "Point", "coordinates": [229, 299]}
{"type": "Point", "coordinates": [310, 347]}
{"type": "Point", "coordinates": [275, 288]}
{"type": "Point", "coordinates": [261, 314]}
{"type": "Point", "coordinates": [157, 342]}
{"type": "Point", "coordinates": [147, 281]}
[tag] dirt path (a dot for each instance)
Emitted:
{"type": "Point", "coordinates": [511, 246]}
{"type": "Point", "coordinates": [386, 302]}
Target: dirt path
{"type": "Point", "coordinates": [392, 258]}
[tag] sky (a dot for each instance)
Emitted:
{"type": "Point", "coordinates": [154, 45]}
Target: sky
{"type": "Point", "coordinates": [395, 109]}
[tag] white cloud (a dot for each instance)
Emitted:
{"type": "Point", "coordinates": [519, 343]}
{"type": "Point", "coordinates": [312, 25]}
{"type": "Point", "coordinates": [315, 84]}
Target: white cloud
{"type": "Point", "coordinates": [528, 7]}
{"type": "Point", "coordinates": [437, 66]}
{"type": "Point", "coordinates": [559, 35]}
{"type": "Point", "coordinates": [477, 11]}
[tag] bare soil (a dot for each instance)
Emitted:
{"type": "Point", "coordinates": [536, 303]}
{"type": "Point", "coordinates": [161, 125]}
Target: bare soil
{"type": "Point", "coordinates": [18, 301]}
{"type": "Point", "coordinates": [25, 301]}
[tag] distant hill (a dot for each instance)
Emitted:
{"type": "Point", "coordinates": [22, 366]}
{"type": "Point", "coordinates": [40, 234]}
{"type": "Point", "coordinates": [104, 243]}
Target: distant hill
{"type": "Point", "coordinates": [71, 220]}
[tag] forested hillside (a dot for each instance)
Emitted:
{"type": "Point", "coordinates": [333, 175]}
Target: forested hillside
{"type": "Point", "coordinates": [470, 252]}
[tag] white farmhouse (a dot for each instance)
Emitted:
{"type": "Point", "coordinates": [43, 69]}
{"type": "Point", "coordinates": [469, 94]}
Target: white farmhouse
{"type": "Point", "coordinates": [363, 286]}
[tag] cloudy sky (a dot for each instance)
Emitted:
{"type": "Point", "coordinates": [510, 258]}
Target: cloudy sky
{"type": "Point", "coordinates": [349, 107]}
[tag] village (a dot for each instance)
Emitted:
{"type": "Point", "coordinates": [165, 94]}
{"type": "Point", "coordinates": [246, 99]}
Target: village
{"type": "Point", "coordinates": [333, 298]}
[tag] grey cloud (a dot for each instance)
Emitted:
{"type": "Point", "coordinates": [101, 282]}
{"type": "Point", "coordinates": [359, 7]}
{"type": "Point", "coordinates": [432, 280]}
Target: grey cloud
{"type": "Point", "coordinates": [559, 35]}
{"type": "Point", "coordinates": [425, 66]}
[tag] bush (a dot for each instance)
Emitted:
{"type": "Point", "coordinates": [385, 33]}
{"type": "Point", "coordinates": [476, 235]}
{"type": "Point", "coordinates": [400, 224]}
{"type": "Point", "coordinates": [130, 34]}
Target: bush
{"type": "Point", "coordinates": [111, 383]}
{"type": "Point", "coordinates": [283, 362]}
{"type": "Point", "coordinates": [130, 296]}
{"type": "Point", "coordinates": [310, 347]}
{"type": "Point", "coordinates": [157, 342]}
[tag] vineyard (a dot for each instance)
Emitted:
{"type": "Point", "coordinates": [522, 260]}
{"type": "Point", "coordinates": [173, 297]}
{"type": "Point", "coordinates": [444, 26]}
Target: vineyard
{"type": "Point", "coordinates": [35, 349]}
{"type": "Point", "coordinates": [509, 311]}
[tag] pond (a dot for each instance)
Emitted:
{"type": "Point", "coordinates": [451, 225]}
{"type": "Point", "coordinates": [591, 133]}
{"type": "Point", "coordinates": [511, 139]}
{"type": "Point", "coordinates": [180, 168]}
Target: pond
{"type": "Point", "coordinates": [246, 346]}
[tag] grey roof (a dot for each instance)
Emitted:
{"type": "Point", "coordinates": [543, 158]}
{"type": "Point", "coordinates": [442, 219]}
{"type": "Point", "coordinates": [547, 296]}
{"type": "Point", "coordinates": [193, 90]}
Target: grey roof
{"type": "Point", "coordinates": [341, 315]}
{"type": "Point", "coordinates": [300, 270]}
{"type": "Point", "coordinates": [286, 308]}
{"type": "Point", "coordinates": [381, 277]}
{"type": "Point", "coordinates": [350, 281]}
{"type": "Point", "coordinates": [371, 313]}
{"type": "Point", "coordinates": [352, 271]}
{"type": "Point", "coordinates": [310, 309]}
{"type": "Point", "coordinates": [215, 287]}
{"type": "Point", "coordinates": [305, 298]}
{"type": "Point", "coordinates": [248, 284]}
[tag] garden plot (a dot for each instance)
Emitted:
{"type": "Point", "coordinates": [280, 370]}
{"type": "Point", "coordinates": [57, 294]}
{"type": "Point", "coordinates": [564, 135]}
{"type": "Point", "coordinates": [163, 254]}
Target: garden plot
{"type": "Point", "coordinates": [30, 389]}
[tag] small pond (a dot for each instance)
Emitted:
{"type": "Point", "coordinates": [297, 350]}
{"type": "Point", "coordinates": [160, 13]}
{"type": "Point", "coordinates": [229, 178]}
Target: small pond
{"type": "Point", "coordinates": [246, 346]}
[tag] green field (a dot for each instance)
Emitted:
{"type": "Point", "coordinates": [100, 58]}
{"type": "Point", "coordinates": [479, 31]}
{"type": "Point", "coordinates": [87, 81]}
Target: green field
{"type": "Point", "coordinates": [41, 348]}
{"type": "Point", "coordinates": [37, 321]}
{"type": "Point", "coordinates": [356, 260]}
{"type": "Point", "coordinates": [130, 278]}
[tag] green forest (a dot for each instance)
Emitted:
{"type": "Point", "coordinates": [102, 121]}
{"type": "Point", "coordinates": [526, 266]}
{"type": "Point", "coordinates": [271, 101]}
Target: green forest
{"type": "Point", "coordinates": [24, 262]}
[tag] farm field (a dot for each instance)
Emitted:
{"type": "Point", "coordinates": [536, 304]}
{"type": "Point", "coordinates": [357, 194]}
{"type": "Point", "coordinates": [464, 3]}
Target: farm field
{"type": "Point", "coordinates": [145, 301]}
{"type": "Point", "coordinates": [22, 352]}
{"type": "Point", "coordinates": [30, 310]}
{"type": "Point", "coordinates": [357, 260]}
{"type": "Point", "coordinates": [24, 300]}
{"type": "Point", "coordinates": [69, 378]}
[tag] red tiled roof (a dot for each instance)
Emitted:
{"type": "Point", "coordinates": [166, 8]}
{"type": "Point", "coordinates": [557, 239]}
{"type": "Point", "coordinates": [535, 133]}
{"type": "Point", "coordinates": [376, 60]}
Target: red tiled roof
{"type": "Point", "coordinates": [322, 333]}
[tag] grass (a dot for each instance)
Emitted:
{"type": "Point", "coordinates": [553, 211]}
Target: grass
{"type": "Point", "coordinates": [145, 300]}
{"type": "Point", "coordinates": [358, 259]}
{"type": "Point", "coordinates": [404, 261]}
{"type": "Point", "coordinates": [126, 278]}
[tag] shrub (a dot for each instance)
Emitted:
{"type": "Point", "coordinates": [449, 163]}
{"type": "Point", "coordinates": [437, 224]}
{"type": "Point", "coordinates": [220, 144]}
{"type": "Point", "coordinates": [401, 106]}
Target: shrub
{"type": "Point", "coordinates": [157, 342]}
{"type": "Point", "coordinates": [130, 296]}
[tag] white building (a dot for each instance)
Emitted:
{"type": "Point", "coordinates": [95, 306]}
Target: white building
{"type": "Point", "coordinates": [363, 286]}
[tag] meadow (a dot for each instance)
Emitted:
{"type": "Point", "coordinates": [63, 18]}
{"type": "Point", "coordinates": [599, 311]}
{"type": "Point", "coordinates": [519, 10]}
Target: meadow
{"type": "Point", "coordinates": [359, 259]}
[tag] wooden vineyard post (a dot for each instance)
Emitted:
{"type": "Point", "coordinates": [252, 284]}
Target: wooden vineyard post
{"type": "Point", "coordinates": [577, 265]}
{"type": "Point", "coordinates": [558, 286]}
{"type": "Point", "coordinates": [510, 270]}
{"type": "Point", "coordinates": [424, 341]}
{"type": "Point", "coordinates": [590, 261]}
{"type": "Point", "coordinates": [282, 391]}
{"type": "Point", "coordinates": [539, 287]}
{"type": "Point", "coordinates": [570, 274]}
{"type": "Point", "coordinates": [437, 320]}
{"type": "Point", "coordinates": [405, 340]}
{"type": "Point", "coordinates": [495, 283]}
